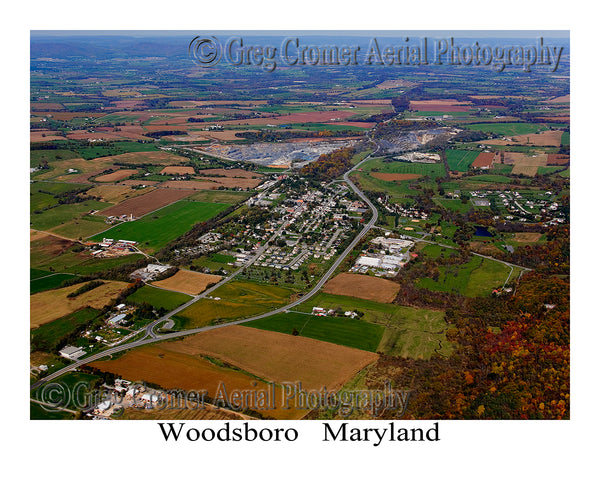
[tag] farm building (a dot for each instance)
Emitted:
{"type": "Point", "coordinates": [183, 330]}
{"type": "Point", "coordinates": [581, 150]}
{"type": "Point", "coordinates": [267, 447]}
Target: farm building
{"type": "Point", "coordinates": [369, 262]}
{"type": "Point", "coordinates": [72, 353]}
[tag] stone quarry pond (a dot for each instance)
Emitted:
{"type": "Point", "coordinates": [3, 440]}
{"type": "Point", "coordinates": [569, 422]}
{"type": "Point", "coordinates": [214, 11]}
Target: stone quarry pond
{"type": "Point", "coordinates": [482, 232]}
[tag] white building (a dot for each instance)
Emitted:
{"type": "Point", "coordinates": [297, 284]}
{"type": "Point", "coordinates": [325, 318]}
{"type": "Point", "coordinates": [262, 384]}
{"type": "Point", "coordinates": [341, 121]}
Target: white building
{"type": "Point", "coordinates": [72, 353]}
{"type": "Point", "coordinates": [369, 262]}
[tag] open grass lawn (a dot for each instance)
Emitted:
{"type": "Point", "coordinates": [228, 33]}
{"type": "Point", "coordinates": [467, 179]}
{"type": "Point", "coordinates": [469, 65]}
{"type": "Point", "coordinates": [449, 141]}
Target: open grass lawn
{"type": "Point", "coordinates": [475, 278]}
{"type": "Point", "coordinates": [408, 331]}
{"type": "Point", "coordinates": [237, 299]}
{"type": "Point", "coordinates": [508, 129]}
{"type": "Point", "coordinates": [47, 336]}
{"type": "Point", "coordinates": [350, 332]}
{"type": "Point", "coordinates": [460, 160]}
{"type": "Point", "coordinates": [158, 298]}
{"type": "Point", "coordinates": [64, 213]}
{"type": "Point", "coordinates": [454, 204]}
{"type": "Point", "coordinates": [49, 282]}
{"type": "Point", "coordinates": [158, 228]}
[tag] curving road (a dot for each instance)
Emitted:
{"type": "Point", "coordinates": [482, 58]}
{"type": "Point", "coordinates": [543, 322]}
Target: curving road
{"type": "Point", "coordinates": [151, 337]}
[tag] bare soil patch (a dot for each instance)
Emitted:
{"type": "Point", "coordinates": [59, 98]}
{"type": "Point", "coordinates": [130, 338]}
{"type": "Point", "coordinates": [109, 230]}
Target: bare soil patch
{"type": "Point", "coordinates": [363, 286]}
{"type": "Point", "coordinates": [558, 159]}
{"type": "Point", "coordinates": [178, 170]}
{"type": "Point", "coordinates": [116, 176]}
{"type": "Point", "coordinates": [186, 281]}
{"type": "Point", "coordinates": [527, 237]}
{"type": "Point", "coordinates": [190, 185]}
{"type": "Point", "coordinates": [143, 204]}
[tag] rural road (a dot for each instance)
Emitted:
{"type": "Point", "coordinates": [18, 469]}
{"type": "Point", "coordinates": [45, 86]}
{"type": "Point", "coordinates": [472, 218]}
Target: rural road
{"type": "Point", "coordinates": [152, 337]}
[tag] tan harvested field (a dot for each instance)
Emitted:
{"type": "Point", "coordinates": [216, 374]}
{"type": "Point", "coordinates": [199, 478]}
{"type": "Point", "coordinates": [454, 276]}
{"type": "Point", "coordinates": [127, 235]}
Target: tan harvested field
{"type": "Point", "coordinates": [558, 159]}
{"type": "Point", "coordinates": [390, 177]}
{"type": "Point", "coordinates": [190, 185]}
{"type": "Point", "coordinates": [202, 103]}
{"type": "Point", "coordinates": [527, 237]}
{"type": "Point", "coordinates": [155, 158]}
{"type": "Point", "coordinates": [116, 176]}
{"type": "Point", "coordinates": [138, 182]}
{"type": "Point", "coordinates": [519, 158]}
{"type": "Point", "coordinates": [85, 168]}
{"type": "Point", "coordinates": [53, 304]}
{"type": "Point", "coordinates": [115, 193]}
{"type": "Point", "coordinates": [175, 370]}
{"type": "Point", "coordinates": [563, 99]}
{"type": "Point", "coordinates": [548, 138]}
{"type": "Point", "coordinates": [187, 413]}
{"type": "Point", "coordinates": [449, 105]}
{"type": "Point", "coordinates": [529, 170]}
{"type": "Point", "coordinates": [363, 286]}
{"type": "Point", "coordinates": [37, 106]}
{"type": "Point", "coordinates": [186, 281]}
{"type": "Point", "coordinates": [44, 136]}
{"type": "Point", "coordinates": [143, 204]}
{"type": "Point", "coordinates": [66, 116]}
{"type": "Point", "coordinates": [178, 170]}
{"type": "Point", "coordinates": [278, 357]}
{"type": "Point", "coordinates": [229, 182]}
{"type": "Point", "coordinates": [230, 172]}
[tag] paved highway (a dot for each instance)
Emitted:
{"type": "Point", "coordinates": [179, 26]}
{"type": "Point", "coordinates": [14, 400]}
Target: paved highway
{"type": "Point", "coordinates": [151, 337]}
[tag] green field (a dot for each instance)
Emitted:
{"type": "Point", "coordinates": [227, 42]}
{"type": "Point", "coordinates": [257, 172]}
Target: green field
{"type": "Point", "coordinates": [475, 278]}
{"type": "Point", "coordinates": [47, 336]}
{"type": "Point", "coordinates": [37, 412]}
{"type": "Point", "coordinates": [349, 332]}
{"type": "Point", "coordinates": [508, 129]}
{"type": "Point", "coordinates": [49, 282]}
{"type": "Point", "coordinates": [41, 194]}
{"type": "Point", "coordinates": [565, 139]}
{"type": "Point", "coordinates": [64, 213]}
{"type": "Point", "coordinates": [158, 298]}
{"type": "Point", "coordinates": [460, 160]}
{"type": "Point", "coordinates": [454, 204]}
{"type": "Point", "coordinates": [381, 165]}
{"type": "Point", "coordinates": [37, 157]}
{"type": "Point", "coordinates": [82, 227]}
{"type": "Point", "coordinates": [237, 299]}
{"type": "Point", "coordinates": [157, 229]}
{"type": "Point", "coordinates": [409, 332]}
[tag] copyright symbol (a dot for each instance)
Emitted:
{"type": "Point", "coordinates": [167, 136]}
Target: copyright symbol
{"type": "Point", "coordinates": [206, 52]}
{"type": "Point", "coordinates": [53, 396]}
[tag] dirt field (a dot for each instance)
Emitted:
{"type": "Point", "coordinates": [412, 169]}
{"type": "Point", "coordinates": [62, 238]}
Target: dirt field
{"type": "Point", "coordinates": [390, 177]}
{"type": "Point", "coordinates": [563, 99]}
{"type": "Point", "coordinates": [278, 357]}
{"type": "Point", "coordinates": [138, 206]}
{"type": "Point", "coordinates": [115, 193]}
{"type": "Point", "coordinates": [549, 138]}
{"type": "Point", "coordinates": [44, 136]}
{"type": "Point", "coordinates": [233, 173]}
{"type": "Point", "coordinates": [155, 158]}
{"type": "Point", "coordinates": [484, 160]}
{"type": "Point", "coordinates": [527, 237]}
{"type": "Point", "coordinates": [229, 182]}
{"type": "Point", "coordinates": [174, 370]}
{"type": "Point", "coordinates": [529, 170]}
{"type": "Point", "coordinates": [186, 281]}
{"type": "Point", "coordinates": [178, 170]}
{"type": "Point", "coordinates": [53, 304]}
{"type": "Point", "coordinates": [362, 286]}
{"type": "Point", "coordinates": [49, 245]}
{"type": "Point", "coordinates": [116, 176]}
{"type": "Point", "coordinates": [440, 106]}
{"type": "Point", "coordinates": [519, 158]}
{"type": "Point", "coordinates": [557, 159]}
{"type": "Point", "coordinates": [190, 185]}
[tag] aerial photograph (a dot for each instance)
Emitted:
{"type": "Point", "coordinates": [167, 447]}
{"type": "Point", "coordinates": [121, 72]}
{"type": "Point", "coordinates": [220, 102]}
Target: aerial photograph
{"type": "Point", "coordinates": [299, 225]}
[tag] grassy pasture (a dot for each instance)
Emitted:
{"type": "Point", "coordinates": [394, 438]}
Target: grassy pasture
{"type": "Point", "coordinates": [49, 282]}
{"type": "Point", "coordinates": [507, 129]}
{"type": "Point", "coordinates": [158, 298]}
{"type": "Point", "coordinates": [47, 336]}
{"type": "Point", "coordinates": [460, 160]}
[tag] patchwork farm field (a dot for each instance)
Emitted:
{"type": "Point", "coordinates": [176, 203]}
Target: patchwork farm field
{"type": "Point", "coordinates": [46, 336]}
{"type": "Point", "coordinates": [143, 204]}
{"type": "Point", "coordinates": [277, 357]}
{"type": "Point", "coordinates": [52, 280]}
{"type": "Point", "coordinates": [62, 214]}
{"type": "Point", "coordinates": [53, 304]}
{"type": "Point", "coordinates": [460, 160]}
{"type": "Point", "coordinates": [189, 282]}
{"type": "Point", "coordinates": [349, 332]}
{"type": "Point", "coordinates": [237, 299]}
{"type": "Point", "coordinates": [362, 286]}
{"type": "Point", "coordinates": [158, 298]}
{"type": "Point", "coordinates": [156, 230]}
{"type": "Point", "coordinates": [408, 331]}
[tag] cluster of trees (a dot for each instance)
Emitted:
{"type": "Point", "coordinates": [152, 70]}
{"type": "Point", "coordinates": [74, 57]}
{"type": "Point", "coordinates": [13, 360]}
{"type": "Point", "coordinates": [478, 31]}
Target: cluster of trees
{"type": "Point", "coordinates": [164, 133]}
{"type": "Point", "coordinates": [330, 165]}
{"type": "Point", "coordinates": [511, 359]}
{"type": "Point", "coordinates": [85, 288]}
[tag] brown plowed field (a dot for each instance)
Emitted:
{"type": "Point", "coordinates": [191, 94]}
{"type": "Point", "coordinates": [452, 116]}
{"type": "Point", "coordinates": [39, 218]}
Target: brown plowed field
{"type": "Point", "coordinates": [484, 159]}
{"type": "Point", "coordinates": [276, 356]}
{"type": "Point", "coordinates": [138, 206]}
{"type": "Point", "coordinates": [185, 281]}
{"type": "Point", "coordinates": [363, 286]}
{"type": "Point", "coordinates": [390, 177]}
{"type": "Point", "coordinates": [116, 176]}
{"type": "Point", "coordinates": [115, 193]}
{"type": "Point", "coordinates": [178, 170]}
{"type": "Point", "coordinates": [527, 237]}
{"type": "Point", "coordinates": [558, 159]}
{"type": "Point", "coordinates": [44, 136]}
{"type": "Point", "coordinates": [190, 185]}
